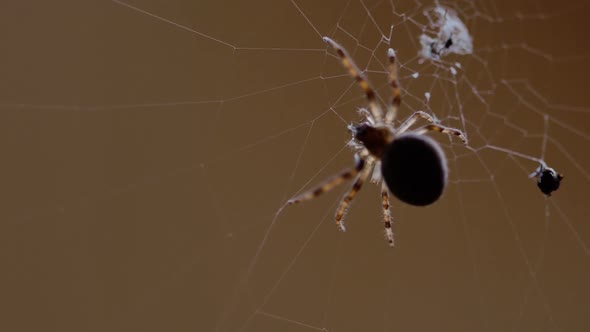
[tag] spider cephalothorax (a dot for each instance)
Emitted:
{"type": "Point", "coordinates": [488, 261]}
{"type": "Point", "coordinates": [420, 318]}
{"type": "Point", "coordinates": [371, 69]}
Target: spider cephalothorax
{"type": "Point", "coordinates": [407, 163]}
{"type": "Point", "coordinates": [375, 140]}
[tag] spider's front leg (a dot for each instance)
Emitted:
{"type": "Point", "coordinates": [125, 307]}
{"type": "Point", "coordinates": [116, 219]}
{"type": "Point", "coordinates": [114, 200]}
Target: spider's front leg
{"type": "Point", "coordinates": [412, 119]}
{"type": "Point", "coordinates": [444, 130]}
{"type": "Point", "coordinates": [358, 75]}
{"type": "Point", "coordinates": [393, 81]}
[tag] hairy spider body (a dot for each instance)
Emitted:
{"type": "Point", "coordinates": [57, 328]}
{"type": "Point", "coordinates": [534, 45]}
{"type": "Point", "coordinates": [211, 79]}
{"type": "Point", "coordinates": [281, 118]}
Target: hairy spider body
{"type": "Point", "coordinates": [405, 162]}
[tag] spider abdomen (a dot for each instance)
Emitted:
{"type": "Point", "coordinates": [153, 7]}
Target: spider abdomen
{"type": "Point", "coordinates": [414, 168]}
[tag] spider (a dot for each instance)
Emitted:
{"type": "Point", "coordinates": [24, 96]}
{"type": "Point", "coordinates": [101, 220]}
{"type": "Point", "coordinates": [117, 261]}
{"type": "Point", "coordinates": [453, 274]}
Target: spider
{"type": "Point", "coordinates": [407, 163]}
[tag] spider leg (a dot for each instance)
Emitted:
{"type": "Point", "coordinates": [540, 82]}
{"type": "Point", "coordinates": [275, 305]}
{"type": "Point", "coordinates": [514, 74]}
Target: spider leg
{"type": "Point", "coordinates": [367, 115]}
{"type": "Point", "coordinates": [397, 99]}
{"type": "Point", "coordinates": [376, 177]}
{"type": "Point", "coordinates": [442, 129]}
{"type": "Point", "coordinates": [358, 76]}
{"type": "Point", "coordinates": [386, 213]}
{"type": "Point", "coordinates": [331, 183]}
{"type": "Point", "coordinates": [349, 196]}
{"type": "Point", "coordinates": [412, 119]}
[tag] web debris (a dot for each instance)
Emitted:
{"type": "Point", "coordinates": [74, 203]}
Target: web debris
{"type": "Point", "coordinates": [445, 34]}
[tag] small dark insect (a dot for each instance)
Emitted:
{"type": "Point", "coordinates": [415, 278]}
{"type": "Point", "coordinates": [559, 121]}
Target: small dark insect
{"type": "Point", "coordinates": [437, 51]}
{"type": "Point", "coordinates": [407, 163]}
{"type": "Point", "coordinates": [548, 180]}
{"type": "Point", "coordinates": [449, 43]}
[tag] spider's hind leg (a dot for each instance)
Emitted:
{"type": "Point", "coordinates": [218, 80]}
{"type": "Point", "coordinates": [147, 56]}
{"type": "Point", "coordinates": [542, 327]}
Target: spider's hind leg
{"type": "Point", "coordinates": [386, 214]}
{"type": "Point", "coordinates": [330, 184]}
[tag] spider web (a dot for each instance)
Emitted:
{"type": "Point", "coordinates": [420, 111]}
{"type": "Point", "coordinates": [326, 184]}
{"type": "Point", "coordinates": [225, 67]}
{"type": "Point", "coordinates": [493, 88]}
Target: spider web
{"type": "Point", "coordinates": [172, 133]}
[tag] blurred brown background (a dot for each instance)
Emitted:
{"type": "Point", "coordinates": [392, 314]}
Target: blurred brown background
{"type": "Point", "coordinates": [145, 162]}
